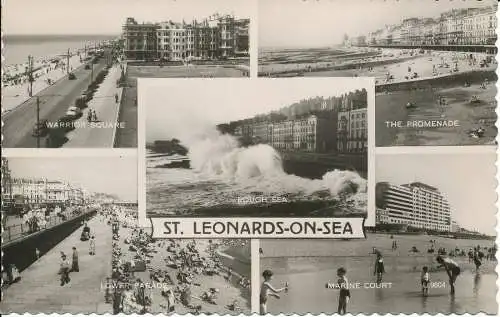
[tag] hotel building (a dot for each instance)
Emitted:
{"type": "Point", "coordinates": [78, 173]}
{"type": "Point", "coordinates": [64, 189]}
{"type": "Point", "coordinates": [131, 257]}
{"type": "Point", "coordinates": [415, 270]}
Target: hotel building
{"type": "Point", "coordinates": [42, 191]}
{"type": "Point", "coordinates": [470, 26]}
{"type": "Point", "coordinates": [217, 37]}
{"type": "Point", "coordinates": [416, 205]}
{"type": "Point", "coordinates": [312, 133]}
{"type": "Point", "coordinates": [352, 128]}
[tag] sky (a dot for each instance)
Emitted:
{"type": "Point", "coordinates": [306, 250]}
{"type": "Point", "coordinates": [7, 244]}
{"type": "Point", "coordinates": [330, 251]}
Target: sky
{"type": "Point", "coordinates": [466, 179]}
{"type": "Point", "coordinates": [107, 16]}
{"type": "Point", "coordinates": [109, 175]}
{"type": "Point", "coordinates": [310, 23]}
{"type": "Point", "coordinates": [177, 106]}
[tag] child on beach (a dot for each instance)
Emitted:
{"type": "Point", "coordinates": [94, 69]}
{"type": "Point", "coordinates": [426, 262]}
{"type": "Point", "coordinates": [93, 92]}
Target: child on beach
{"type": "Point", "coordinates": [424, 280]}
{"type": "Point", "coordinates": [452, 269]}
{"type": "Point", "coordinates": [379, 266]}
{"type": "Point", "coordinates": [344, 294]}
{"type": "Point", "coordinates": [267, 290]}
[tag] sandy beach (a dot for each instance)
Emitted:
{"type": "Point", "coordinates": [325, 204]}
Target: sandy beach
{"type": "Point", "coordinates": [308, 266]}
{"type": "Point", "coordinates": [188, 268]}
{"type": "Point", "coordinates": [17, 92]}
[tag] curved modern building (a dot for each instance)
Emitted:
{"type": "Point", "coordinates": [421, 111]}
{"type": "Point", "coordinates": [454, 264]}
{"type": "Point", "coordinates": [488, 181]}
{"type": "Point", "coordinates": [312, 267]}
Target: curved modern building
{"type": "Point", "coordinates": [415, 204]}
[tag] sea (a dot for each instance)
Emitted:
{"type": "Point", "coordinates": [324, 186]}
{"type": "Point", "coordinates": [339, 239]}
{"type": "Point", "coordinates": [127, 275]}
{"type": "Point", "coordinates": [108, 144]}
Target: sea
{"type": "Point", "coordinates": [307, 265]}
{"type": "Point", "coordinates": [224, 175]}
{"type": "Point", "coordinates": [19, 47]}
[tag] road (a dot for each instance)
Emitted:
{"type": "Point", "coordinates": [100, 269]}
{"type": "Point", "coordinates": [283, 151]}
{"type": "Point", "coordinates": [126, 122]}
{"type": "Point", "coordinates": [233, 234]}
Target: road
{"type": "Point", "coordinates": [104, 105]}
{"type": "Point", "coordinates": [39, 289]}
{"type": "Point", "coordinates": [54, 102]}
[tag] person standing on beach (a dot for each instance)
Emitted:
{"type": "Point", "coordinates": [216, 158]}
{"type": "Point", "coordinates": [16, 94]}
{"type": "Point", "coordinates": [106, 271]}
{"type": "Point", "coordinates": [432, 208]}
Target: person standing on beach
{"type": "Point", "coordinates": [345, 294]}
{"type": "Point", "coordinates": [424, 280]}
{"type": "Point", "coordinates": [267, 290]}
{"type": "Point", "coordinates": [452, 269]}
{"type": "Point", "coordinates": [477, 258]}
{"type": "Point", "coordinates": [379, 266]}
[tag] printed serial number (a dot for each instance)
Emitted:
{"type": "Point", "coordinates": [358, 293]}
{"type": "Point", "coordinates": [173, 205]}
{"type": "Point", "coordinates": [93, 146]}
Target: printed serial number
{"type": "Point", "coordinates": [437, 284]}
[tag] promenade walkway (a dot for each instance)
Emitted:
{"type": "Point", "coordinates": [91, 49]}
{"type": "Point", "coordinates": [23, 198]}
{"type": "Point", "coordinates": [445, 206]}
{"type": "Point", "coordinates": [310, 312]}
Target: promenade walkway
{"type": "Point", "coordinates": [54, 102]}
{"type": "Point", "coordinates": [102, 134]}
{"type": "Point", "coordinates": [39, 289]}
{"type": "Point", "coordinates": [16, 95]}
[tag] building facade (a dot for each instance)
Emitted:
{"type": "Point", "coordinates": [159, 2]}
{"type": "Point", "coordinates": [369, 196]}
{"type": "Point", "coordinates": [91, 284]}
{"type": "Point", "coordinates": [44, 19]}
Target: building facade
{"type": "Point", "coordinates": [352, 128]}
{"type": "Point", "coordinates": [416, 205]}
{"type": "Point", "coordinates": [6, 181]}
{"type": "Point", "coordinates": [43, 191]}
{"type": "Point", "coordinates": [307, 134]}
{"type": "Point", "coordinates": [470, 26]}
{"type": "Point", "coordinates": [216, 37]}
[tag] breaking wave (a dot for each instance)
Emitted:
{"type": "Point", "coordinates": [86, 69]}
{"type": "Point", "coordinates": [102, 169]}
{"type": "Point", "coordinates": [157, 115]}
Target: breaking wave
{"type": "Point", "coordinates": [259, 168]}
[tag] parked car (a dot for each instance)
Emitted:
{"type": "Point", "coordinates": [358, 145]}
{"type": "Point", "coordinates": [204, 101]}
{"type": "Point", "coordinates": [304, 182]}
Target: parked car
{"type": "Point", "coordinates": [41, 128]}
{"type": "Point", "coordinates": [74, 112]}
{"type": "Point", "coordinates": [87, 66]}
{"type": "Point", "coordinates": [71, 76]}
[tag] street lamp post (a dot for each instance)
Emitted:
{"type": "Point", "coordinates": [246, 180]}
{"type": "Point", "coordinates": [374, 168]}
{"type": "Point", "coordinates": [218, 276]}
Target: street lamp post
{"type": "Point", "coordinates": [38, 122]}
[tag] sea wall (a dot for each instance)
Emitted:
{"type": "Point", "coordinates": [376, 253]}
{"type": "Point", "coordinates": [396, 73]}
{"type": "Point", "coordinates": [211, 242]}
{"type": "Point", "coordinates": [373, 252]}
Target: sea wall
{"type": "Point", "coordinates": [22, 252]}
{"type": "Point", "coordinates": [451, 80]}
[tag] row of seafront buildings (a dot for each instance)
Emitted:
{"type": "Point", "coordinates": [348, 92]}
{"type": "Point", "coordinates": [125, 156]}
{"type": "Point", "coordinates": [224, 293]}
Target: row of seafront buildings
{"type": "Point", "coordinates": [24, 191]}
{"type": "Point", "coordinates": [470, 26]}
{"type": "Point", "coordinates": [216, 37]}
{"type": "Point", "coordinates": [333, 128]}
{"type": "Point", "coordinates": [415, 204]}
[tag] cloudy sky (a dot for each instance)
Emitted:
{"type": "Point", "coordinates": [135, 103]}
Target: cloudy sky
{"type": "Point", "coordinates": [175, 107]}
{"type": "Point", "coordinates": [466, 179]}
{"type": "Point", "coordinates": [107, 16]}
{"type": "Point", "coordinates": [109, 175]}
{"type": "Point", "coordinates": [312, 23]}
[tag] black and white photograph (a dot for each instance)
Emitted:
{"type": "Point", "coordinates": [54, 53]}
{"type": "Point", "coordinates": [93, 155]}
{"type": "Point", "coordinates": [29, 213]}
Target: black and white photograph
{"type": "Point", "coordinates": [181, 276]}
{"type": "Point", "coordinates": [432, 249]}
{"type": "Point", "coordinates": [287, 148]}
{"type": "Point", "coordinates": [433, 61]}
{"type": "Point", "coordinates": [57, 239]}
{"type": "Point", "coordinates": [69, 78]}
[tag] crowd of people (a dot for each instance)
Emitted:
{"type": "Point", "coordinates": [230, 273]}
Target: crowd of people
{"type": "Point", "coordinates": [170, 285]}
{"type": "Point", "coordinates": [20, 74]}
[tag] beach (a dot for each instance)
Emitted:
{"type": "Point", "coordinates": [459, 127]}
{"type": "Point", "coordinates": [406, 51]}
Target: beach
{"type": "Point", "coordinates": [307, 266]}
{"type": "Point", "coordinates": [183, 266]}
{"type": "Point", "coordinates": [49, 55]}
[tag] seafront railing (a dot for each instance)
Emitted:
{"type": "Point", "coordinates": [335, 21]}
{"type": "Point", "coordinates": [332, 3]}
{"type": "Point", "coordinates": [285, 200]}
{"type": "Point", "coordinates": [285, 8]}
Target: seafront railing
{"type": "Point", "coordinates": [18, 231]}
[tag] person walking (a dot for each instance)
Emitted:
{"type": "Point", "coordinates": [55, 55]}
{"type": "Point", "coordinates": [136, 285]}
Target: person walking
{"type": "Point", "coordinates": [92, 246]}
{"type": "Point", "coordinates": [64, 270]}
{"type": "Point", "coordinates": [89, 115]}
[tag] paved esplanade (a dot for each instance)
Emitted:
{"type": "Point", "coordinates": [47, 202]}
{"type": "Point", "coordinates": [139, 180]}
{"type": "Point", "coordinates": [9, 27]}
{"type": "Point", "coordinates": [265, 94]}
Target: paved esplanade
{"type": "Point", "coordinates": [39, 290]}
{"type": "Point", "coordinates": [54, 102]}
{"type": "Point", "coordinates": [106, 108]}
